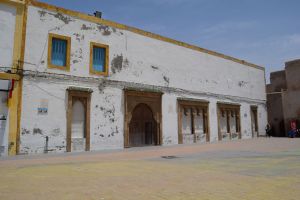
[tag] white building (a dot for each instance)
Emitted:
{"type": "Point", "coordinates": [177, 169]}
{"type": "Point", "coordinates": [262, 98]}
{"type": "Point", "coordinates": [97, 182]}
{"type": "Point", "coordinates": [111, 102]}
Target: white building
{"type": "Point", "coordinates": [92, 84]}
{"type": "Point", "coordinates": [11, 45]}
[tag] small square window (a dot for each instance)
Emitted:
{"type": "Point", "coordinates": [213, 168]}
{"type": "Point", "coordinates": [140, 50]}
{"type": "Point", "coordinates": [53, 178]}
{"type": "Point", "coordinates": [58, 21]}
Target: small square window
{"type": "Point", "coordinates": [59, 52]}
{"type": "Point", "coordinates": [99, 59]}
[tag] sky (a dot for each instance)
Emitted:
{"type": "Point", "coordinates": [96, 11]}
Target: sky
{"type": "Point", "coordinates": [263, 32]}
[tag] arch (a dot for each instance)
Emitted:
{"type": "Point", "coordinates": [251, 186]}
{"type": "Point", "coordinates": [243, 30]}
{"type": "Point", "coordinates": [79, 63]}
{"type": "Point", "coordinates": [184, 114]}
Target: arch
{"type": "Point", "coordinates": [142, 126]}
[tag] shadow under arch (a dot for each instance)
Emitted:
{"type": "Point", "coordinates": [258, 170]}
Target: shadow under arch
{"type": "Point", "coordinates": [142, 127]}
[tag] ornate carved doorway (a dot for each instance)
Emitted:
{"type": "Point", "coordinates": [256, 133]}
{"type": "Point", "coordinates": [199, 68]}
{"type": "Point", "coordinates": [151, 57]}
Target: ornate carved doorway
{"type": "Point", "coordinates": [229, 121]}
{"type": "Point", "coordinates": [193, 121]}
{"type": "Point", "coordinates": [142, 118]}
{"type": "Point", "coordinates": [142, 127]}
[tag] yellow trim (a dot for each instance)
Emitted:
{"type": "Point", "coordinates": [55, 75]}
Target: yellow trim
{"type": "Point", "coordinates": [61, 37]}
{"type": "Point", "coordinates": [14, 103]}
{"type": "Point", "coordinates": [14, 2]}
{"type": "Point", "coordinates": [106, 47]}
{"type": "Point", "coordinates": [8, 76]}
{"type": "Point", "coordinates": [138, 31]}
{"type": "Point", "coordinates": [20, 88]}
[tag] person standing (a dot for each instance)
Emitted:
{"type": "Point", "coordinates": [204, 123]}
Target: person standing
{"type": "Point", "coordinates": [268, 130]}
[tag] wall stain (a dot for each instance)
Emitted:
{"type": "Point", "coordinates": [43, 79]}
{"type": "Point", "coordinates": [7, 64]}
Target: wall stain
{"type": "Point", "coordinates": [242, 83]}
{"type": "Point", "coordinates": [114, 132]}
{"type": "Point", "coordinates": [62, 18]}
{"type": "Point", "coordinates": [25, 131]}
{"type": "Point", "coordinates": [117, 63]}
{"type": "Point", "coordinates": [79, 37]}
{"type": "Point", "coordinates": [154, 67]}
{"type": "Point", "coordinates": [105, 30]}
{"type": "Point", "coordinates": [78, 54]}
{"type": "Point", "coordinates": [55, 132]}
{"type": "Point", "coordinates": [42, 13]}
{"type": "Point", "coordinates": [167, 140]}
{"type": "Point", "coordinates": [59, 16]}
{"type": "Point", "coordinates": [85, 27]}
{"type": "Point", "coordinates": [60, 147]}
{"type": "Point", "coordinates": [101, 86]}
{"type": "Point", "coordinates": [37, 131]}
{"type": "Point", "coordinates": [109, 113]}
{"type": "Point", "coordinates": [167, 80]}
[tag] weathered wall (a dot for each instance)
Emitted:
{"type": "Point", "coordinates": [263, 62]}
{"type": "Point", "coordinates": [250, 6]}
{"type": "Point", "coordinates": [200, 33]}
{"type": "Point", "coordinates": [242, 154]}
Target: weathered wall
{"type": "Point", "coordinates": [135, 61]}
{"type": "Point", "coordinates": [283, 98]}
{"type": "Point", "coordinates": [7, 31]}
{"type": "Point", "coordinates": [136, 58]}
{"type": "Point", "coordinates": [292, 70]}
{"type": "Point", "coordinates": [277, 81]}
{"type": "Point", "coordinates": [291, 107]}
{"type": "Point", "coordinates": [275, 114]}
{"type": "Point", "coordinates": [106, 115]}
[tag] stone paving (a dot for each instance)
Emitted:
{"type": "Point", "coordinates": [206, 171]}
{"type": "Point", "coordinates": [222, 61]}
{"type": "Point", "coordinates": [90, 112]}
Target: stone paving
{"type": "Point", "coordinates": [248, 169]}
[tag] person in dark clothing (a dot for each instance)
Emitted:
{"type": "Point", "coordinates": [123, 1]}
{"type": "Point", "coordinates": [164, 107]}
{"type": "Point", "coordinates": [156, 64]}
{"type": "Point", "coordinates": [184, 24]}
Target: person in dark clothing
{"type": "Point", "coordinates": [268, 130]}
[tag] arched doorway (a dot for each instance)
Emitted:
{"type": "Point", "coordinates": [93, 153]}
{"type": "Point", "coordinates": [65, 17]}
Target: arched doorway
{"type": "Point", "coordinates": [78, 126]}
{"type": "Point", "coordinates": [78, 120]}
{"type": "Point", "coordinates": [142, 127]}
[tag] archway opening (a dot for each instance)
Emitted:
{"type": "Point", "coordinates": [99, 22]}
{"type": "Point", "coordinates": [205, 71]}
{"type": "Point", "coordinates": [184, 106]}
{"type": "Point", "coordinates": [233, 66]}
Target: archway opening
{"type": "Point", "coordinates": [142, 127]}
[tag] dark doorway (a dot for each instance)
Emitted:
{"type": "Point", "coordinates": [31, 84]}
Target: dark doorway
{"type": "Point", "coordinates": [142, 127]}
{"type": "Point", "coordinates": [254, 122]}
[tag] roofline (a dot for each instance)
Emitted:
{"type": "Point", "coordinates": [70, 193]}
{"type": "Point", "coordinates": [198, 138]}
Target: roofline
{"type": "Point", "coordinates": [86, 17]}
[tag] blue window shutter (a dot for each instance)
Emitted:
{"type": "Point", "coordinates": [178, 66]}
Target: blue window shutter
{"type": "Point", "coordinates": [59, 52]}
{"type": "Point", "coordinates": [99, 59]}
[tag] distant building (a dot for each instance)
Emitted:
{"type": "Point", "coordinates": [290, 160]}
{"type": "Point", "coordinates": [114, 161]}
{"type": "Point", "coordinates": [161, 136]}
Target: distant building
{"type": "Point", "coordinates": [283, 98]}
{"type": "Point", "coordinates": [79, 83]}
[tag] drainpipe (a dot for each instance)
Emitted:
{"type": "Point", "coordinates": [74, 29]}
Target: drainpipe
{"type": "Point", "coordinates": [46, 145]}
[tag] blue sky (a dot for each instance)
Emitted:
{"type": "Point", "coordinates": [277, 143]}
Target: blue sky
{"type": "Point", "coordinates": [264, 32]}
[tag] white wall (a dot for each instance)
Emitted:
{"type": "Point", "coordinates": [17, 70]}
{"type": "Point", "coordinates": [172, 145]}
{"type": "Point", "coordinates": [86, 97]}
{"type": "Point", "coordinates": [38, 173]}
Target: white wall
{"type": "Point", "coordinates": [106, 126]}
{"type": "Point", "coordinates": [7, 31]}
{"type": "Point", "coordinates": [145, 60]}
{"type": "Point", "coordinates": [180, 72]}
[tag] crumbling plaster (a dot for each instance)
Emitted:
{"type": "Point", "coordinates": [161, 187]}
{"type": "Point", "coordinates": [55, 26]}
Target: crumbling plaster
{"type": "Point", "coordinates": [137, 61]}
{"type": "Point", "coordinates": [141, 59]}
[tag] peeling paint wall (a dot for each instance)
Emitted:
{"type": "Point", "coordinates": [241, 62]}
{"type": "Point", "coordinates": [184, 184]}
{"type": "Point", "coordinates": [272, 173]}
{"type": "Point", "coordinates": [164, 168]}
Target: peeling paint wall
{"type": "Point", "coordinates": [106, 116]}
{"type": "Point", "coordinates": [134, 61]}
{"type": "Point", "coordinates": [136, 58]}
{"type": "Point", "coordinates": [7, 30]}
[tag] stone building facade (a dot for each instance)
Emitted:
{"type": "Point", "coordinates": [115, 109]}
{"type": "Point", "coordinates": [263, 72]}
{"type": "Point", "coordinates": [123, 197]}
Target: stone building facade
{"type": "Point", "coordinates": [91, 84]}
{"type": "Point", "coordinates": [283, 95]}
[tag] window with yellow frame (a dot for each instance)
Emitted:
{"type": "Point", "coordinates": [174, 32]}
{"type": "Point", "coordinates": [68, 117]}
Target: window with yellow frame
{"type": "Point", "coordinates": [59, 48]}
{"type": "Point", "coordinates": [99, 58]}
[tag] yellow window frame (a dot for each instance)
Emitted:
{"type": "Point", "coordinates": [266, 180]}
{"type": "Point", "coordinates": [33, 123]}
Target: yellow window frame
{"type": "Point", "coordinates": [61, 37]}
{"type": "Point", "coordinates": [106, 47]}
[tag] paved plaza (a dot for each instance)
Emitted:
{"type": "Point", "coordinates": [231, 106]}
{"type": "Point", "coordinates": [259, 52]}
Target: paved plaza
{"type": "Point", "coordinates": [247, 169]}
